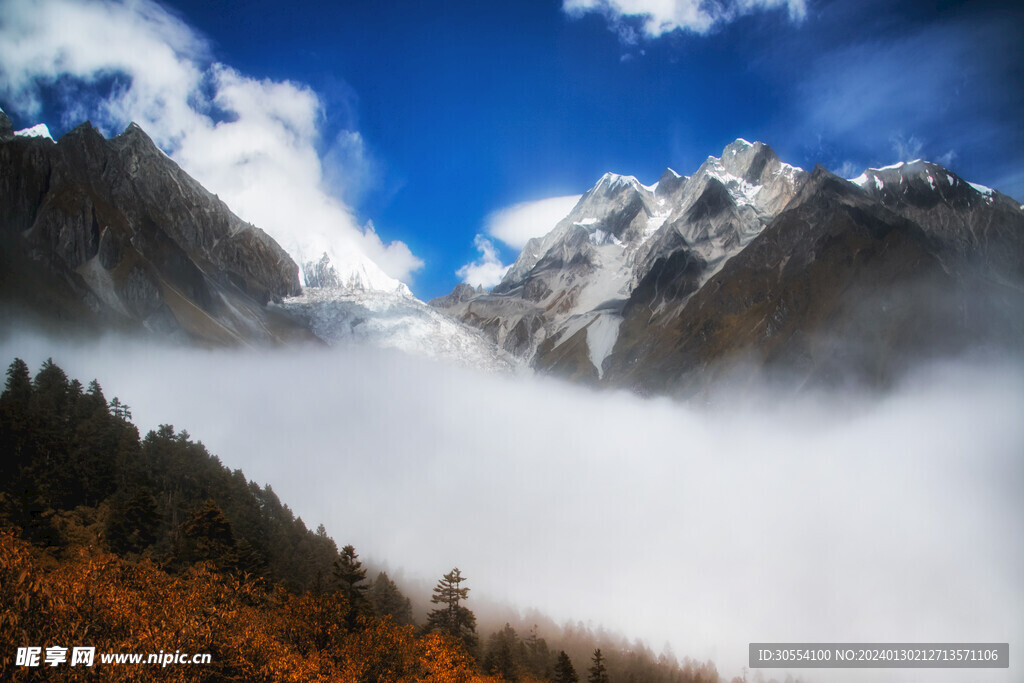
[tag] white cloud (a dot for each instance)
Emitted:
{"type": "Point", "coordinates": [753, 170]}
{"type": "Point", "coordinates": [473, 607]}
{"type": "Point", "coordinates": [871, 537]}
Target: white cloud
{"type": "Point", "coordinates": [906, 148]}
{"type": "Point", "coordinates": [514, 225]}
{"type": "Point", "coordinates": [848, 169]}
{"type": "Point", "coordinates": [517, 224]}
{"type": "Point", "coordinates": [156, 56]}
{"type": "Point", "coordinates": [253, 142]}
{"type": "Point", "coordinates": [947, 158]}
{"type": "Point", "coordinates": [350, 167]}
{"type": "Point", "coordinates": [761, 516]}
{"type": "Point", "coordinates": [488, 270]}
{"type": "Point", "coordinates": [657, 17]}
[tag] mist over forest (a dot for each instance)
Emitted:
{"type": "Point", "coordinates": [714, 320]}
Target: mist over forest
{"type": "Point", "coordinates": [748, 515]}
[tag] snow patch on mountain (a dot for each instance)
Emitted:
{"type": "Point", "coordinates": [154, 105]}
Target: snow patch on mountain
{"type": "Point", "coordinates": [37, 131]}
{"type": "Point", "coordinates": [899, 173]}
{"type": "Point", "coordinates": [981, 189]}
{"type": "Point", "coordinates": [602, 334]}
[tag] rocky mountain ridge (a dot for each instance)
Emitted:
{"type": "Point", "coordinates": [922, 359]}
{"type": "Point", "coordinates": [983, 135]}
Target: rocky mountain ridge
{"type": "Point", "coordinates": [748, 262]}
{"type": "Point", "coordinates": [754, 262]}
{"type": "Point", "coordinates": [98, 234]}
{"type": "Point", "coordinates": [114, 233]}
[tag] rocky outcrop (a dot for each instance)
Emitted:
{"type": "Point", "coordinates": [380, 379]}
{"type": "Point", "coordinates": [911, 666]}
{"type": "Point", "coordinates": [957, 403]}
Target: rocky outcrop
{"type": "Point", "coordinates": [462, 292]}
{"type": "Point", "coordinates": [135, 241]}
{"type": "Point", "coordinates": [838, 288]}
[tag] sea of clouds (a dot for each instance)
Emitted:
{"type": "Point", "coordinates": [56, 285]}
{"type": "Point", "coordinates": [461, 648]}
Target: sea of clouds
{"type": "Point", "coordinates": [756, 516]}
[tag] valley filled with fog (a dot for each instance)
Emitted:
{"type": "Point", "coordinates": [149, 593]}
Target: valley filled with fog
{"type": "Point", "coordinates": [753, 515]}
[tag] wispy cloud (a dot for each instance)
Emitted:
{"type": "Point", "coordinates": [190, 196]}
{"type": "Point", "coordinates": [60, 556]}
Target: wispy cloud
{"type": "Point", "coordinates": [486, 271]}
{"type": "Point", "coordinates": [632, 19]}
{"type": "Point", "coordinates": [847, 169]}
{"type": "Point", "coordinates": [254, 142]}
{"type": "Point", "coordinates": [906, 149]}
{"type": "Point", "coordinates": [515, 225]}
{"type": "Point", "coordinates": [942, 92]}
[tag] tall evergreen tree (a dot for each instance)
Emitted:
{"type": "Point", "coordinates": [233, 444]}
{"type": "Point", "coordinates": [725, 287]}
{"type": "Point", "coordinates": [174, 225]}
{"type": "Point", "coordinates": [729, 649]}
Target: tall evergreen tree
{"type": "Point", "coordinates": [452, 617]}
{"type": "Point", "coordinates": [537, 658]}
{"type": "Point", "coordinates": [564, 670]}
{"type": "Point", "coordinates": [598, 670]}
{"type": "Point", "coordinates": [350, 575]}
{"type": "Point", "coordinates": [16, 429]}
{"type": "Point", "coordinates": [50, 391]}
{"type": "Point", "coordinates": [503, 654]}
{"type": "Point", "coordinates": [19, 383]}
{"type": "Point", "coordinates": [208, 536]}
{"type": "Point", "coordinates": [388, 600]}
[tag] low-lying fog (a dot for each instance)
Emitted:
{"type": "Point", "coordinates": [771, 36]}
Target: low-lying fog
{"type": "Point", "coordinates": [828, 518]}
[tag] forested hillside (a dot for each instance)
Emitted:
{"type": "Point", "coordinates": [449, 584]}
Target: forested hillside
{"type": "Point", "coordinates": [140, 545]}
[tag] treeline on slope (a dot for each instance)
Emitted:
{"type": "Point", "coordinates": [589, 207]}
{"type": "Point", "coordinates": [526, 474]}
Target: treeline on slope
{"type": "Point", "coordinates": [75, 469]}
{"type": "Point", "coordinates": [152, 544]}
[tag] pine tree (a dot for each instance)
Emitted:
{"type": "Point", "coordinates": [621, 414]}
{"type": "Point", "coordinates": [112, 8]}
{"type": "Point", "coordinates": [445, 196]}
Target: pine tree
{"type": "Point", "coordinates": [537, 658]}
{"type": "Point", "coordinates": [452, 617]}
{"type": "Point", "coordinates": [564, 671]}
{"type": "Point", "coordinates": [503, 654]}
{"type": "Point", "coordinates": [209, 536]}
{"type": "Point", "coordinates": [50, 391]}
{"type": "Point", "coordinates": [19, 383]}
{"type": "Point", "coordinates": [349, 574]}
{"type": "Point", "coordinates": [16, 433]}
{"type": "Point", "coordinates": [388, 600]}
{"type": "Point", "coordinates": [120, 410]}
{"type": "Point", "coordinates": [598, 670]}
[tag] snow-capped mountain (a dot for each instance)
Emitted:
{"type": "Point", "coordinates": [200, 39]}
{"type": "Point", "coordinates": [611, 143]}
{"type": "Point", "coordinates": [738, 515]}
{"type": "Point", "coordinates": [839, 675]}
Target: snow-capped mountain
{"type": "Point", "coordinates": [567, 290]}
{"type": "Point", "coordinates": [112, 233]}
{"type": "Point", "coordinates": [748, 261]}
{"type": "Point", "coordinates": [756, 260]}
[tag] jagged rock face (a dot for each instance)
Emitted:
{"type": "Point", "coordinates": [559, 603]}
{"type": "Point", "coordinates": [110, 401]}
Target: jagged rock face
{"type": "Point", "coordinates": [462, 292]}
{"type": "Point", "coordinates": [628, 244]}
{"type": "Point", "coordinates": [970, 220]}
{"type": "Point", "coordinates": [756, 264]}
{"type": "Point", "coordinates": [837, 288]}
{"type": "Point", "coordinates": [119, 233]}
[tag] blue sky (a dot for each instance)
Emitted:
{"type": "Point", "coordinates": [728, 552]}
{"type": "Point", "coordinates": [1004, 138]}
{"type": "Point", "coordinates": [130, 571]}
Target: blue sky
{"type": "Point", "coordinates": [427, 118]}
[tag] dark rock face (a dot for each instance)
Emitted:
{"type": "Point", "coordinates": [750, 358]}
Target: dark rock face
{"type": "Point", "coordinates": [135, 240]}
{"type": "Point", "coordinates": [838, 288]}
{"type": "Point", "coordinates": [6, 129]}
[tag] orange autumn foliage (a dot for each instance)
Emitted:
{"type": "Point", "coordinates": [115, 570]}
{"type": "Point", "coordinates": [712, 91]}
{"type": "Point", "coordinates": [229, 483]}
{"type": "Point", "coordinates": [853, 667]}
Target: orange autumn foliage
{"type": "Point", "coordinates": [99, 600]}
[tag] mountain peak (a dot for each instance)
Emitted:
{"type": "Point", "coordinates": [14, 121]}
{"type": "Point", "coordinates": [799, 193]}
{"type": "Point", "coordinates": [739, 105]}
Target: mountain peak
{"type": "Point", "coordinates": [615, 181]}
{"type": "Point", "coordinates": [739, 145]}
{"type": "Point", "coordinates": [137, 139]}
{"type": "Point", "coordinates": [668, 183]}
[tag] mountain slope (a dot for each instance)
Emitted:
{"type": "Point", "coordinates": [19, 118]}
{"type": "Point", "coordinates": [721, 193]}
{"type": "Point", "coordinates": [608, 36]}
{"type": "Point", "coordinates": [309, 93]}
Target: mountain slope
{"type": "Point", "coordinates": [561, 303]}
{"type": "Point", "coordinates": [756, 264]}
{"type": "Point", "coordinates": [113, 233]}
{"type": "Point", "coordinates": [102, 234]}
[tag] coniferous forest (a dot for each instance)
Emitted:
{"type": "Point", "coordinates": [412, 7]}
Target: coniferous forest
{"type": "Point", "coordinates": [150, 544]}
